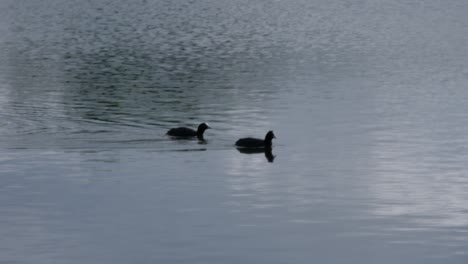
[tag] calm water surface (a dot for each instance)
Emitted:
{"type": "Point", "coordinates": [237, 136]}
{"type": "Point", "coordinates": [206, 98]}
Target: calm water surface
{"type": "Point", "coordinates": [367, 100]}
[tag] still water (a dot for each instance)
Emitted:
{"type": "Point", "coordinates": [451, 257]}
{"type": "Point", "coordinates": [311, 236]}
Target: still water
{"type": "Point", "coordinates": [367, 100]}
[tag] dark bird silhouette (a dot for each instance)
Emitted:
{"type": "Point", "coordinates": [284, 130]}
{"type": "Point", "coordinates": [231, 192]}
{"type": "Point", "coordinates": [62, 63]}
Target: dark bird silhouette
{"type": "Point", "coordinates": [256, 142]}
{"type": "Point", "coordinates": [185, 132]}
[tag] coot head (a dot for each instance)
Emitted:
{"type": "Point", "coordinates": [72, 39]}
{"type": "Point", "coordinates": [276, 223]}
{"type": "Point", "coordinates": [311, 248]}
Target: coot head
{"type": "Point", "coordinates": [201, 129]}
{"type": "Point", "coordinates": [269, 136]}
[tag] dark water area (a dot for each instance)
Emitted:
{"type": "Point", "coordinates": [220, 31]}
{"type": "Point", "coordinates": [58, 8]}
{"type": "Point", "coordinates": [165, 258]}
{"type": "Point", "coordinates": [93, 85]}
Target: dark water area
{"type": "Point", "coordinates": [367, 100]}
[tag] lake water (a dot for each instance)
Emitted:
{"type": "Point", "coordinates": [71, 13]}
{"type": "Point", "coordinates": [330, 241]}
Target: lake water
{"type": "Point", "coordinates": [368, 101]}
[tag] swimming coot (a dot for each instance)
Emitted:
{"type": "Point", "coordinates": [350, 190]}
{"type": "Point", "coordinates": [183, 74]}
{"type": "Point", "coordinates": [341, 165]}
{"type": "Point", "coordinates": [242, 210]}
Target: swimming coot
{"type": "Point", "coordinates": [256, 142]}
{"type": "Point", "coordinates": [185, 132]}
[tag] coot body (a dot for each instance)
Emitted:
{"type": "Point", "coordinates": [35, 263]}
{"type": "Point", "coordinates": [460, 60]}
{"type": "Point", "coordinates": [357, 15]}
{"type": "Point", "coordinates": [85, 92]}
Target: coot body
{"type": "Point", "coordinates": [185, 132]}
{"type": "Point", "coordinates": [256, 142]}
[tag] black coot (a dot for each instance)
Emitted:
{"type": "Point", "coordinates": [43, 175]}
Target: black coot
{"type": "Point", "coordinates": [256, 142]}
{"type": "Point", "coordinates": [185, 132]}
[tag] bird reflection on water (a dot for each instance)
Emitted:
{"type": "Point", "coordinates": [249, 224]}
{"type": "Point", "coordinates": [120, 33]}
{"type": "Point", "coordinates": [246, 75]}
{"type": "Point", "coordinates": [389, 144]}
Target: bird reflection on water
{"type": "Point", "coordinates": [267, 151]}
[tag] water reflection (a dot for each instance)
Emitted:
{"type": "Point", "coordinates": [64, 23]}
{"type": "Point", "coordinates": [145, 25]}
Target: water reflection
{"type": "Point", "coordinates": [267, 151]}
{"type": "Point", "coordinates": [374, 125]}
{"type": "Point", "coordinates": [141, 69]}
{"type": "Point", "coordinates": [418, 161]}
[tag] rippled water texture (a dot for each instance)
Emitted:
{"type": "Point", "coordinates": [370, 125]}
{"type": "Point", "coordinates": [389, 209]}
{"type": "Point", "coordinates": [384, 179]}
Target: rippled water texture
{"type": "Point", "coordinates": [367, 100]}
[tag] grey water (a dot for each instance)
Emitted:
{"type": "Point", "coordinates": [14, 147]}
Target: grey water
{"type": "Point", "coordinates": [368, 101]}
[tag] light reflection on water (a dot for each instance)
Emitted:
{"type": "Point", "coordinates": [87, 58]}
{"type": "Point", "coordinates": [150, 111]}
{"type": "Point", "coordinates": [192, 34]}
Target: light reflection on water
{"type": "Point", "coordinates": [367, 101]}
